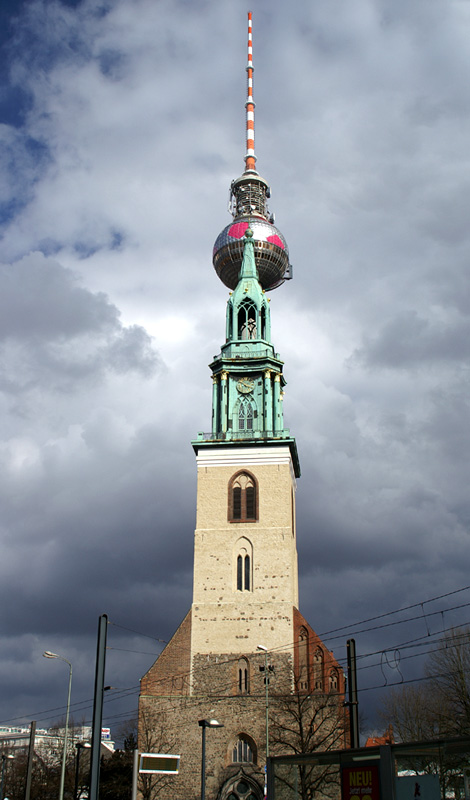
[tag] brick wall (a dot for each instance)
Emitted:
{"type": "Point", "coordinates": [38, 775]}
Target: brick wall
{"type": "Point", "coordinates": [171, 671]}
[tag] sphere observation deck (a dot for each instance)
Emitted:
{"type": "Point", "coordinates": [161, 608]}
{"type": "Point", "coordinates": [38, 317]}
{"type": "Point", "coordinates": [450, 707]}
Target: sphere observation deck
{"type": "Point", "coordinates": [271, 253]}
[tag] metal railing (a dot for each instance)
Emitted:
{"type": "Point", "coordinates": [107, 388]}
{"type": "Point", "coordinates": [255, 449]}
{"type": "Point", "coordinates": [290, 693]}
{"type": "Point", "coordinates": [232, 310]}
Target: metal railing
{"type": "Point", "coordinates": [230, 436]}
{"type": "Point", "coordinates": [235, 352]}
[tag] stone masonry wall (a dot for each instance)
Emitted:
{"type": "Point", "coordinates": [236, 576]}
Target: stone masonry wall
{"type": "Point", "coordinates": [170, 674]}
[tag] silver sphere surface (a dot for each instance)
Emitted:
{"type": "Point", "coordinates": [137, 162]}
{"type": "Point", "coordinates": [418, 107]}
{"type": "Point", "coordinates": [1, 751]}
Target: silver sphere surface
{"type": "Point", "coordinates": [271, 252]}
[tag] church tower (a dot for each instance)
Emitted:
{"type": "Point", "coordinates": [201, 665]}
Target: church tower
{"type": "Point", "coordinates": [244, 616]}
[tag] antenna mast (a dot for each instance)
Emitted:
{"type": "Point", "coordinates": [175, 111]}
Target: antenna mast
{"type": "Point", "coordinates": [248, 205]}
{"type": "Point", "coordinates": [250, 158]}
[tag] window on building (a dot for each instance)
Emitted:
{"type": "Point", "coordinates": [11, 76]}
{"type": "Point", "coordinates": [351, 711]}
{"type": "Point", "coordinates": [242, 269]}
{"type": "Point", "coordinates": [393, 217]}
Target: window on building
{"type": "Point", "coordinates": [263, 323]}
{"type": "Point", "coordinates": [243, 751]}
{"type": "Point", "coordinates": [243, 675]}
{"type": "Point", "coordinates": [241, 788]}
{"type": "Point", "coordinates": [245, 416]}
{"type": "Point", "coordinates": [333, 680]}
{"type": "Point", "coordinates": [303, 660]}
{"type": "Point", "coordinates": [247, 321]}
{"type": "Point", "coordinates": [243, 572]}
{"type": "Point", "coordinates": [242, 498]}
{"type": "Point", "coordinates": [229, 321]}
{"type": "Point", "coordinates": [243, 565]}
{"type": "Point", "coordinates": [318, 669]}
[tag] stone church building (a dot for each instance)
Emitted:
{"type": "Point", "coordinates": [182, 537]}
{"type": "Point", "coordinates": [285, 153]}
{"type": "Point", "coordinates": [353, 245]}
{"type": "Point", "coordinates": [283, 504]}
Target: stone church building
{"type": "Point", "coordinates": [244, 626]}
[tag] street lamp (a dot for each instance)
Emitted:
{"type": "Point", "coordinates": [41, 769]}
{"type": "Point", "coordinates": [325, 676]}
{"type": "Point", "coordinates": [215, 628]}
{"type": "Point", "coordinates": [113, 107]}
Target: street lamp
{"type": "Point", "coordinates": [266, 670]}
{"type": "Point", "coordinates": [206, 723]}
{"type": "Point", "coordinates": [4, 758]}
{"type": "Point", "coordinates": [80, 746]}
{"type": "Point", "coordinates": [48, 654]}
{"type": "Point", "coordinates": [266, 686]}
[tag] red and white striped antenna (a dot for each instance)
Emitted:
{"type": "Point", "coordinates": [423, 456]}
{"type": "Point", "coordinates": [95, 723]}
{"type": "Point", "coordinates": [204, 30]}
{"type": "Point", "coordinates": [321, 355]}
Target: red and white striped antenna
{"type": "Point", "coordinates": [250, 158]}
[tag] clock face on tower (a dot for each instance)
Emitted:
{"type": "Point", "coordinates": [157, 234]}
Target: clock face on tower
{"type": "Point", "coordinates": [245, 385]}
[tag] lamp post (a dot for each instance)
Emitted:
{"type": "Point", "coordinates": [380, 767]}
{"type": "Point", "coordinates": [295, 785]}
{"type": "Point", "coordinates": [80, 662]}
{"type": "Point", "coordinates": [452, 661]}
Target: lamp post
{"type": "Point", "coordinates": [266, 669]}
{"type": "Point", "coordinates": [48, 654]}
{"type": "Point", "coordinates": [206, 723]}
{"type": "Point", "coordinates": [266, 687]}
{"type": "Point", "coordinates": [4, 758]}
{"type": "Point", "coordinates": [80, 746]}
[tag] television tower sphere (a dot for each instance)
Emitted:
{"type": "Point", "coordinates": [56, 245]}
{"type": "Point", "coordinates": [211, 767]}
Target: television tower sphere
{"type": "Point", "coordinates": [271, 253]}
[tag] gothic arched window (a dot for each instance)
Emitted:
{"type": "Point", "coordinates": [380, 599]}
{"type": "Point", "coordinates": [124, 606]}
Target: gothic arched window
{"type": "Point", "coordinates": [263, 323]}
{"type": "Point", "coordinates": [229, 321]}
{"type": "Point", "coordinates": [242, 498]}
{"type": "Point", "coordinates": [245, 416]}
{"type": "Point", "coordinates": [318, 669]}
{"type": "Point", "coordinates": [333, 681]}
{"type": "Point", "coordinates": [247, 321]}
{"type": "Point", "coordinates": [243, 565]}
{"type": "Point", "coordinates": [243, 750]}
{"type": "Point", "coordinates": [303, 660]}
{"type": "Point", "coordinates": [243, 674]}
{"type": "Point", "coordinates": [243, 572]}
{"type": "Point", "coordinates": [242, 786]}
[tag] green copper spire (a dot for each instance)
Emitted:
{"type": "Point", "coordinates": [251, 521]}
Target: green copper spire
{"type": "Point", "coordinates": [248, 317]}
{"type": "Point", "coordinates": [247, 375]}
{"type": "Point", "coordinates": [248, 268]}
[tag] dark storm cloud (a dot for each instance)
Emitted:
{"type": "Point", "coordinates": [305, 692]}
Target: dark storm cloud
{"type": "Point", "coordinates": [116, 166]}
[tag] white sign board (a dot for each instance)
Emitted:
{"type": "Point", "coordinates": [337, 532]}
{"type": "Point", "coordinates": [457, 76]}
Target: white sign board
{"type": "Point", "coordinates": [418, 787]}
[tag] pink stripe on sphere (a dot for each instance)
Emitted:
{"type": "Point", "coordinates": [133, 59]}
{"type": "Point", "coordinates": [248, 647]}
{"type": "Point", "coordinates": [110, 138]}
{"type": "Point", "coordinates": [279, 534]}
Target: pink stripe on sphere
{"type": "Point", "coordinates": [276, 240]}
{"type": "Point", "coordinates": [238, 230]}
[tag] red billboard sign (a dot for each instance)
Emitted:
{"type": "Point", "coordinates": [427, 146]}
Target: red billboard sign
{"type": "Point", "coordinates": [360, 782]}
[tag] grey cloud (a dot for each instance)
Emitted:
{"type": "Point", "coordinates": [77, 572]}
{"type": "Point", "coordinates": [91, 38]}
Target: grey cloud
{"type": "Point", "coordinates": [409, 340]}
{"type": "Point", "coordinates": [132, 350]}
{"type": "Point", "coordinates": [40, 298]}
{"type": "Point", "coordinates": [54, 332]}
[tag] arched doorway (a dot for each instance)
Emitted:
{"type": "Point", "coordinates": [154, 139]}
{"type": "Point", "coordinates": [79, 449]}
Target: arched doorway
{"type": "Point", "coordinates": [240, 787]}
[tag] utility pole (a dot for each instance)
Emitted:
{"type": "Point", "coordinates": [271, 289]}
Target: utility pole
{"type": "Point", "coordinates": [266, 669]}
{"type": "Point", "coordinates": [98, 708]}
{"type": "Point", "coordinates": [32, 736]}
{"type": "Point", "coordinates": [352, 693]}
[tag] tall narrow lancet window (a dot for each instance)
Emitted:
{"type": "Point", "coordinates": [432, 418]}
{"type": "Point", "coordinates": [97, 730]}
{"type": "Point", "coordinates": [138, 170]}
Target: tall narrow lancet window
{"type": "Point", "coordinates": [229, 321]}
{"type": "Point", "coordinates": [303, 660]}
{"type": "Point", "coordinates": [250, 501]}
{"type": "Point", "coordinates": [247, 574]}
{"type": "Point", "coordinates": [239, 573]}
{"type": "Point", "coordinates": [243, 685]}
{"type": "Point", "coordinates": [318, 669]}
{"type": "Point", "coordinates": [247, 321]}
{"type": "Point", "coordinates": [245, 416]}
{"type": "Point", "coordinates": [263, 323]}
{"type": "Point", "coordinates": [243, 565]}
{"type": "Point", "coordinates": [243, 571]}
{"type": "Point", "coordinates": [242, 498]}
{"type": "Point", "coordinates": [333, 681]}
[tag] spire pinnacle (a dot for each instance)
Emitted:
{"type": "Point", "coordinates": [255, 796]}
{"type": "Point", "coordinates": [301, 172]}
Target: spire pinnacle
{"type": "Point", "coordinates": [250, 158]}
{"type": "Point", "coordinates": [248, 268]}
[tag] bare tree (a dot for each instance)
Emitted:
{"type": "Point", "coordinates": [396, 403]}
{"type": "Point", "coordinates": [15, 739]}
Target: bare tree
{"type": "Point", "coordinates": [439, 706]}
{"type": "Point", "coordinates": [154, 737]}
{"type": "Point", "coordinates": [415, 713]}
{"type": "Point", "coordinates": [448, 669]}
{"type": "Point", "coordinates": [303, 724]}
